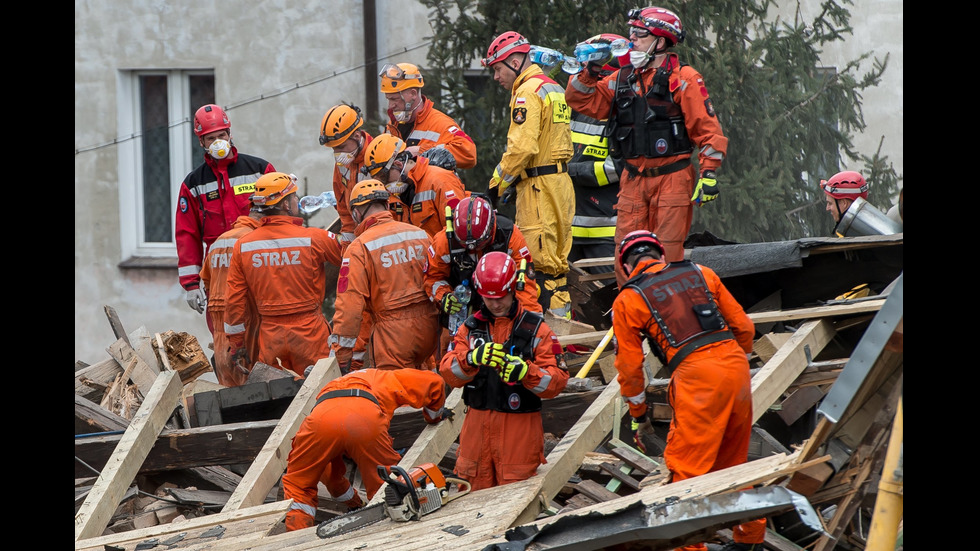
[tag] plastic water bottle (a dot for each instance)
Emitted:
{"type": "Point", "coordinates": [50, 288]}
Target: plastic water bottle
{"type": "Point", "coordinates": [546, 57]}
{"type": "Point", "coordinates": [463, 295]}
{"type": "Point", "coordinates": [313, 203]}
{"type": "Point", "coordinates": [585, 53]}
{"type": "Point", "coordinates": [620, 47]}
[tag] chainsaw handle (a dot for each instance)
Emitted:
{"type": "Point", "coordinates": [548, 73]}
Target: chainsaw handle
{"type": "Point", "coordinates": [460, 493]}
{"type": "Point", "coordinates": [403, 488]}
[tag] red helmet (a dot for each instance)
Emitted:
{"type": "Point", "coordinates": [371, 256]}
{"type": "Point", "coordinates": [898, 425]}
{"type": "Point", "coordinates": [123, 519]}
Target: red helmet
{"type": "Point", "coordinates": [210, 118]}
{"type": "Point", "coordinates": [495, 275]}
{"type": "Point", "coordinates": [474, 223]}
{"type": "Point", "coordinates": [636, 242]}
{"type": "Point", "coordinates": [659, 22]}
{"type": "Point", "coordinates": [507, 43]}
{"type": "Point", "coordinates": [609, 38]}
{"type": "Point", "coordinates": [845, 185]}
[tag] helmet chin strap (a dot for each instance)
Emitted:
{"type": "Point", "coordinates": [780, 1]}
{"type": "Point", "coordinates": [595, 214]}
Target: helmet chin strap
{"type": "Point", "coordinates": [517, 73]}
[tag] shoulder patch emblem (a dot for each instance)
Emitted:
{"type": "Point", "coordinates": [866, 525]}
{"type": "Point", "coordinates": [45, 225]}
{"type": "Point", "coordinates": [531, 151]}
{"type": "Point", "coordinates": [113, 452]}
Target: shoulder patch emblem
{"type": "Point", "coordinates": [519, 115]}
{"type": "Point", "coordinates": [183, 204]}
{"type": "Point", "coordinates": [709, 108]}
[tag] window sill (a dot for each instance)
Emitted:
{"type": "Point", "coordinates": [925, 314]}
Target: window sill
{"type": "Point", "coordinates": [151, 262]}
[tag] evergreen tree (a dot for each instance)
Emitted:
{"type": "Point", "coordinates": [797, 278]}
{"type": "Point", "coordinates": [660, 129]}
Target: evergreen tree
{"type": "Point", "coordinates": [788, 120]}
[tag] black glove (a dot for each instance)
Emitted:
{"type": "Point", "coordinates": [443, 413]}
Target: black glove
{"type": "Point", "coordinates": [444, 414]}
{"type": "Point", "coordinates": [640, 426]}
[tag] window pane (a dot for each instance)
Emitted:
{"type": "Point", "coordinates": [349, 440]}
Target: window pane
{"type": "Point", "coordinates": [201, 93]}
{"type": "Point", "coordinates": [157, 215]}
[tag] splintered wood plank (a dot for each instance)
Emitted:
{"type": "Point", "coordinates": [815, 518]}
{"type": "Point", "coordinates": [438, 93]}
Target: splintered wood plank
{"type": "Point", "coordinates": [769, 383]}
{"type": "Point", "coordinates": [595, 491]}
{"type": "Point", "coordinates": [270, 463]}
{"type": "Point", "coordinates": [818, 311]}
{"type": "Point", "coordinates": [116, 324]}
{"type": "Point", "coordinates": [632, 457]}
{"type": "Point", "coordinates": [158, 405]}
{"type": "Point", "coordinates": [142, 374]}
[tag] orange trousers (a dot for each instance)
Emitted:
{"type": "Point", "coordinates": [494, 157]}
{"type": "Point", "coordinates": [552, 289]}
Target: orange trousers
{"type": "Point", "coordinates": [295, 340]}
{"type": "Point", "coordinates": [661, 204]}
{"type": "Point", "coordinates": [227, 374]}
{"type": "Point", "coordinates": [498, 448]}
{"type": "Point", "coordinates": [354, 427]}
{"type": "Point", "coordinates": [711, 395]}
{"type": "Point", "coordinates": [405, 337]}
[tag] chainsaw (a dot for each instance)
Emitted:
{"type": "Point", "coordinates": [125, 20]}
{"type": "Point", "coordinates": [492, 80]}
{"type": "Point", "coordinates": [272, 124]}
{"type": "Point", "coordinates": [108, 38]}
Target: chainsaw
{"type": "Point", "coordinates": [408, 496]}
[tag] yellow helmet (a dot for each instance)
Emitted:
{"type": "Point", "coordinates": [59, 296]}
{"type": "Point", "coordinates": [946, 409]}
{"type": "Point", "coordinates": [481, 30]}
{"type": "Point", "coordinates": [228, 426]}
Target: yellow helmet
{"type": "Point", "coordinates": [272, 188]}
{"type": "Point", "coordinates": [368, 191]}
{"type": "Point", "coordinates": [339, 123]}
{"type": "Point", "coordinates": [395, 78]}
{"type": "Point", "coordinates": [381, 153]}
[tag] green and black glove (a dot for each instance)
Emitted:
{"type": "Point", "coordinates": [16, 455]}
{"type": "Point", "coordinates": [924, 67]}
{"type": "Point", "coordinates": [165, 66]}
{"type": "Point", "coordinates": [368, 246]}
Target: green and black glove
{"type": "Point", "coordinates": [513, 370]}
{"type": "Point", "coordinates": [451, 304]}
{"type": "Point", "coordinates": [707, 188]}
{"type": "Point", "coordinates": [640, 427]}
{"type": "Point", "coordinates": [490, 354]}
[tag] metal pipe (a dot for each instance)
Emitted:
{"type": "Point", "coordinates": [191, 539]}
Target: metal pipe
{"type": "Point", "coordinates": [595, 354]}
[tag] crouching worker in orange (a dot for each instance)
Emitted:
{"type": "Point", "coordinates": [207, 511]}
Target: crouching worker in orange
{"type": "Point", "coordinates": [351, 418]}
{"type": "Point", "coordinates": [507, 360]}
{"type": "Point", "coordinates": [700, 332]}
{"type": "Point", "coordinates": [279, 265]}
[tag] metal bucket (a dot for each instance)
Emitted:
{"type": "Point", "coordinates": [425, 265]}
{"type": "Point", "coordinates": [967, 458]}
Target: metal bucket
{"type": "Point", "coordinates": [862, 218]}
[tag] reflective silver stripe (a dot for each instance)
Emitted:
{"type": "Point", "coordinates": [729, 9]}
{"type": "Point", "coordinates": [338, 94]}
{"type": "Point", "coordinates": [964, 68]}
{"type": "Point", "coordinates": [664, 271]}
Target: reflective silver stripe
{"type": "Point", "coordinates": [276, 244]}
{"type": "Point", "coordinates": [332, 340]}
{"type": "Point", "coordinates": [561, 312]}
{"type": "Point", "coordinates": [346, 495]}
{"type": "Point", "coordinates": [348, 236]}
{"type": "Point", "coordinates": [609, 166]}
{"type": "Point", "coordinates": [358, 355]}
{"type": "Point", "coordinates": [593, 221]}
{"type": "Point", "coordinates": [244, 179]}
{"type": "Point", "coordinates": [199, 190]}
{"type": "Point", "coordinates": [234, 329]}
{"type": "Point", "coordinates": [395, 239]}
{"type": "Point", "coordinates": [223, 244]}
{"type": "Point", "coordinates": [188, 270]}
{"type": "Point", "coordinates": [344, 342]}
{"type": "Point", "coordinates": [446, 258]}
{"type": "Point", "coordinates": [581, 87]}
{"type": "Point", "coordinates": [505, 177]}
{"type": "Point", "coordinates": [543, 385]}
{"type": "Point", "coordinates": [431, 413]}
{"type": "Point", "coordinates": [683, 85]}
{"type": "Point", "coordinates": [583, 127]}
{"type": "Point", "coordinates": [428, 195]}
{"type": "Point", "coordinates": [640, 398]}
{"type": "Point", "coordinates": [424, 135]}
{"type": "Point", "coordinates": [712, 153]}
{"type": "Point", "coordinates": [308, 509]}
{"type": "Point", "coordinates": [458, 371]}
{"type": "Point", "coordinates": [436, 285]}
{"type": "Point", "coordinates": [549, 88]}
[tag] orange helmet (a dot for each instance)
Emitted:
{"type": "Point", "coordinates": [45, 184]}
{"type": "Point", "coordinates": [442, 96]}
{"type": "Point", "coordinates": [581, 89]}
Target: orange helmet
{"type": "Point", "coordinates": [845, 185]}
{"type": "Point", "coordinates": [210, 118]}
{"type": "Point", "coordinates": [658, 22]}
{"type": "Point", "coordinates": [495, 275]}
{"type": "Point", "coordinates": [395, 78]}
{"type": "Point", "coordinates": [505, 44]}
{"type": "Point", "coordinates": [368, 191]}
{"type": "Point", "coordinates": [381, 153]}
{"type": "Point", "coordinates": [636, 242]}
{"type": "Point", "coordinates": [474, 223]}
{"type": "Point", "coordinates": [272, 188]}
{"type": "Point", "coordinates": [339, 123]}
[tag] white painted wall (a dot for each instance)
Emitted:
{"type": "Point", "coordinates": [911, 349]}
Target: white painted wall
{"type": "Point", "coordinates": [272, 61]}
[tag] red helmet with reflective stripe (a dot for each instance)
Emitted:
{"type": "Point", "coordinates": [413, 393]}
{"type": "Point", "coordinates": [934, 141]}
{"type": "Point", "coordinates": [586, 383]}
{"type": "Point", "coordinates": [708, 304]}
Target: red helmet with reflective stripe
{"type": "Point", "coordinates": [846, 185]}
{"type": "Point", "coordinates": [495, 275]}
{"type": "Point", "coordinates": [659, 22]}
{"type": "Point", "coordinates": [505, 44]}
{"type": "Point", "coordinates": [637, 242]}
{"type": "Point", "coordinates": [474, 223]}
{"type": "Point", "coordinates": [210, 118]}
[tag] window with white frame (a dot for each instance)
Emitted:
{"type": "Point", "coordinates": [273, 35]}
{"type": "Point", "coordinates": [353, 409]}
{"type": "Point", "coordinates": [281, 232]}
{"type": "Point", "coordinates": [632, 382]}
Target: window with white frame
{"type": "Point", "coordinates": [157, 149]}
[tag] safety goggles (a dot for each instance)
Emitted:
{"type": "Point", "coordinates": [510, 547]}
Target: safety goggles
{"type": "Point", "coordinates": [394, 72]}
{"type": "Point", "coordinates": [638, 32]}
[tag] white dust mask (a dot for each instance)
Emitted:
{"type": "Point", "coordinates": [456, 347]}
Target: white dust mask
{"type": "Point", "coordinates": [219, 149]}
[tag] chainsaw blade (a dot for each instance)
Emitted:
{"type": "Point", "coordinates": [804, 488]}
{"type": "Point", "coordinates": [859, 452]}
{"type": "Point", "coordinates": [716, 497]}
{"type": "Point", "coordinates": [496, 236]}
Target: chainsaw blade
{"type": "Point", "coordinates": [352, 521]}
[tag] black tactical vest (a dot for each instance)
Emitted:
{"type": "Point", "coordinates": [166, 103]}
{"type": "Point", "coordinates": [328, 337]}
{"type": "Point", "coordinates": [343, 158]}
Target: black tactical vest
{"type": "Point", "coordinates": [646, 127]}
{"type": "Point", "coordinates": [487, 390]}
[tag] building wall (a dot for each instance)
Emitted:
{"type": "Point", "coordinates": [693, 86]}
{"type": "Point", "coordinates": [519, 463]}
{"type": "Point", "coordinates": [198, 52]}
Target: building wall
{"type": "Point", "coordinates": [274, 68]}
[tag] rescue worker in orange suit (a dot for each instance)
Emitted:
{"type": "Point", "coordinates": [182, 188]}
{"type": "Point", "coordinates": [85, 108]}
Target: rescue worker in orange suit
{"type": "Point", "coordinates": [507, 360]}
{"type": "Point", "coordinates": [211, 198]}
{"type": "Point", "coordinates": [351, 418]}
{"type": "Point", "coordinates": [214, 276]}
{"type": "Point", "coordinates": [660, 113]}
{"type": "Point", "coordinates": [703, 337]}
{"type": "Point", "coordinates": [595, 176]}
{"type": "Point", "coordinates": [280, 265]}
{"type": "Point", "coordinates": [413, 117]}
{"type": "Point", "coordinates": [475, 229]}
{"type": "Point", "coordinates": [535, 165]}
{"type": "Point", "coordinates": [381, 273]}
{"type": "Point", "coordinates": [423, 191]}
{"type": "Point", "coordinates": [342, 130]}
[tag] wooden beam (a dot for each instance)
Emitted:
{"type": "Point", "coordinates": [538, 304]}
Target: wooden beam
{"type": "Point", "coordinates": [565, 459]}
{"type": "Point", "coordinates": [769, 383]}
{"type": "Point", "coordinates": [859, 307]}
{"type": "Point", "coordinates": [158, 405]}
{"type": "Point", "coordinates": [265, 471]}
{"type": "Point", "coordinates": [116, 324]}
{"type": "Point", "coordinates": [143, 375]}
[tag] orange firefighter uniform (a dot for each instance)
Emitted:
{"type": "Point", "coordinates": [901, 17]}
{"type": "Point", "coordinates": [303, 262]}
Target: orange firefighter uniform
{"type": "Point", "coordinates": [658, 180]}
{"type": "Point", "coordinates": [344, 179]}
{"type": "Point", "coordinates": [432, 127]}
{"type": "Point", "coordinates": [280, 265]}
{"type": "Point", "coordinates": [710, 386]}
{"type": "Point", "coordinates": [214, 276]}
{"type": "Point", "coordinates": [430, 190]}
{"type": "Point", "coordinates": [502, 439]}
{"type": "Point", "coordinates": [381, 273]}
{"type": "Point", "coordinates": [351, 418]}
{"type": "Point", "coordinates": [539, 146]}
